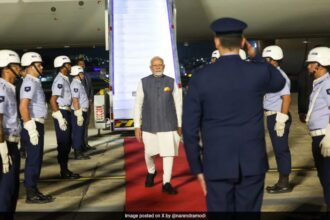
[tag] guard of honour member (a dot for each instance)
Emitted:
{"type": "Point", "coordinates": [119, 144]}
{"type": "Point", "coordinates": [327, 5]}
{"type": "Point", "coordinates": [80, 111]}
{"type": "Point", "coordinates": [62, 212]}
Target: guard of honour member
{"type": "Point", "coordinates": [79, 106]}
{"type": "Point", "coordinates": [60, 103]}
{"type": "Point", "coordinates": [33, 109]}
{"type": "Point", "coordinates": [9, 131]}
{"type": "Point", "coordinates": [277, 106]}
{"type": "Point", "coordinates": [318, 115]}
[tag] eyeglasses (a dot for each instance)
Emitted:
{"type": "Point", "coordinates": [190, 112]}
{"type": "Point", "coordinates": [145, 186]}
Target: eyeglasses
{"type": "Point", "coordinates": [159, 65]}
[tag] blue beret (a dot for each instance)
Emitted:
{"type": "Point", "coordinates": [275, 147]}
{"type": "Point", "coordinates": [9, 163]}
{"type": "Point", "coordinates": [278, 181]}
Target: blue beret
{"type": "Point", "coordinates": [223, 26]}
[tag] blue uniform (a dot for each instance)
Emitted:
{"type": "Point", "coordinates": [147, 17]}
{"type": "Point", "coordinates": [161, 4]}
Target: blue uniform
{"type": "Point", "coordinates": [78, 91]}
{"type": "Point", "coordinates": [225, 103]}
{"type": "Point", "coordinates": [8, 108]}
{"type": "Point", "coordinates": [273, 102]}
{"type": "Point", "coordinates": [18, 85]}
{"type": "Point", "coordinates": [61, 89]}
{"type": "Point", "coordinates": [319, 119]}
{"type": "Point", "coordinates": [78, 132]}
{"type": "Point", "coordinates": [31, 89]}
{"type": "Point", "coordinates": [9, 182]}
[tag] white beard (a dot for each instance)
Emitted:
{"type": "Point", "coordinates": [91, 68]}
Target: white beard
{"type": "Point", "coordinates": [158, 74]}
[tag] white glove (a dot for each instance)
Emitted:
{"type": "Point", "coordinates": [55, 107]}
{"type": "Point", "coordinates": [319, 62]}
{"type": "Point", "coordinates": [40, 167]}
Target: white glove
{"type": "Point", "coordinates": [325, 143]}
{"type": "Point", "coordinates": [6, 159]}
{"type": "Point", "coordinates": [61, 121]}
{"type": "Point", "coordinates": [80, 118]}
{"type": "Point", "coordinates": [280, 123]}
{"type": "Point", "coordinates": [31, 127]}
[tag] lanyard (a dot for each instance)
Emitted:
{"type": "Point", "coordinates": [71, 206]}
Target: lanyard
{"type": "Point", "coordinates": [313, 103]}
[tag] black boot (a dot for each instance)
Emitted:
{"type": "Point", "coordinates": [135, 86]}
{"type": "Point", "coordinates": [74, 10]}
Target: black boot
{"type": "Point", "coordinates": [150, 179]}
{"type": "Point", "coordinates": [67, 174]}
{"type": "Point", "coordinates": [89, 148]}
{"type": "Point", "coordinates": [282, 186]}
{"type": "Point", "coordinates": [167, 188]}
{"type": "Point", "coordinates": [45, 196]}
{"type": "Point", "coordinates": [34, 196]}
{"type": "Point", "coordinates": [79, 155]}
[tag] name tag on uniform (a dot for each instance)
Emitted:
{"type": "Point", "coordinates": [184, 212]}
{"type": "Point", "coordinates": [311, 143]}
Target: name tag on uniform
{"type": "Point", "coordinates": [2, 99]}
{"type": "Point", "coordinates": [75, 90]}
{"type": "Point", "coordinates": [27, 89]}
{"type": "Point", "coordinates": [60, 86]}
{"type": "Point", "coordinates": [167, 89]}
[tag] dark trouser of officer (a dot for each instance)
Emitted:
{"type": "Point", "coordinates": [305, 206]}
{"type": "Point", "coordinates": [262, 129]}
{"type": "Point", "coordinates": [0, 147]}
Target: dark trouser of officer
{"type": "Point", "coordinates": [34, 156]}
{"type": "Point", "coordinates": [64, 146]}
{"type": "Point", "coordinates": [9, 182]}
{"type": "Point", "coordinates": [323, 168]}
{"type": "Point", "coordinates": [282, 155]}
{"type": "Point", "coordinates": [235, 195]}
{"type": "Point", "coordinates": [22, 145]}
{"type": "Point", "coordinates": [78, 133]}
{"type": "Point", "coordinates": [86, 145]}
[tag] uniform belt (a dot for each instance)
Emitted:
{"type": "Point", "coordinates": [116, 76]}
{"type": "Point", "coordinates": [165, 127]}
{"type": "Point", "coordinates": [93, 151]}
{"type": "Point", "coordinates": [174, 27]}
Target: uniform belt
{"type": "Point", "coordinates": [13, 138]}
{"type": "Point", "coordinates": [66, 108]}
{"type": "Point", "coordinates": [82, 109]}
{"type": "Point", "coordinates": [40, 120]}
{"type": "Point", "coordinates": [269, 113]}
{"type": "Point", "coordinates": [318, 132]}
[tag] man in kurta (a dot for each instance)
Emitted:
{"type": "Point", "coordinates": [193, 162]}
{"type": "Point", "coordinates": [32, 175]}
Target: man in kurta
{"type": "Point", "coordinates": [157, 121]}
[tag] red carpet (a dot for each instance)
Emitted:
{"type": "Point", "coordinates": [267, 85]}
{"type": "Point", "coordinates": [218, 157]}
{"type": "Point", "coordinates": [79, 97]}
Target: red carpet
{"type": "Point", "coordinates": [140, 199]}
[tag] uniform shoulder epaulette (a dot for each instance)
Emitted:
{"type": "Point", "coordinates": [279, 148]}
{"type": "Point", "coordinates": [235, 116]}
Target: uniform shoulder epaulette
{"type": "Point", "coordinates": [59, 78]}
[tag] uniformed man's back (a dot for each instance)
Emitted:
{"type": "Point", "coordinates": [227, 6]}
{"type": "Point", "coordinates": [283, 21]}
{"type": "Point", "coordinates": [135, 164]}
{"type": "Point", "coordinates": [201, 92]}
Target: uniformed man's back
{"type": "Point", "coordinates": [232, 93]}
{"type": "Point", "coordinates": [233, 87]}
{"type": "Point", "coordinates": [225, 103]}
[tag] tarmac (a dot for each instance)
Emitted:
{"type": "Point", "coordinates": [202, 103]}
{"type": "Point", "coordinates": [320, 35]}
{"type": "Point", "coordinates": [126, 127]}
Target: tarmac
{"type": "Point", "coordinates": [102, 188]}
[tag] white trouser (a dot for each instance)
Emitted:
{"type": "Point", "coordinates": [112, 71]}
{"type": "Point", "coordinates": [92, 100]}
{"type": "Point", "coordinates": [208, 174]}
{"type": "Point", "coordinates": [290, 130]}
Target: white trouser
{"type": "Point", "coordinates": [167, 166]}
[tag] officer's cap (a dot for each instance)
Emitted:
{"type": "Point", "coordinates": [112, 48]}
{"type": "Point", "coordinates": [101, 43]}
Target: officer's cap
{"type": "Point", "coordinates": [226, 26]}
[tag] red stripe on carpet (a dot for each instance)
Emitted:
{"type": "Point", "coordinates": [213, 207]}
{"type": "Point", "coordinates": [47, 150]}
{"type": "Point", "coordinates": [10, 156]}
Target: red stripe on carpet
{"type": "Point", "coordinates": [190, 197]}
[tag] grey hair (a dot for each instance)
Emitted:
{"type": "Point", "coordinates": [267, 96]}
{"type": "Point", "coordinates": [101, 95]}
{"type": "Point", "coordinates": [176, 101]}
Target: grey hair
{"type": "Point", "coordinates": [156, 58]}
